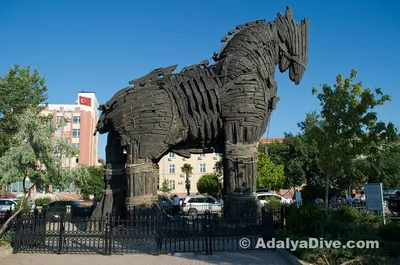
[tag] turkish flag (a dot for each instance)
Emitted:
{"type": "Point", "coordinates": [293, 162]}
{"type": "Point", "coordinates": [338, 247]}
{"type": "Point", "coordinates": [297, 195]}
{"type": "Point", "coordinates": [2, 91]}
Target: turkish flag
{"type": "Point", "coordinates": [85, 101]}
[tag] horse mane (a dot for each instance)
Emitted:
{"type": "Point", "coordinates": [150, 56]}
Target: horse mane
{"type": "Point", "coordinates": [231, 34]}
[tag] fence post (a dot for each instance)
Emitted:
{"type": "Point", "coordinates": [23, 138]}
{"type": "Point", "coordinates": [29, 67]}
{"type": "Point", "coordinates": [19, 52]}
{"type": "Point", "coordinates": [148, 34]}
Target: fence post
{"type": "Point", "coordinates": [16, 234]}
{"type": "Point", "coordinates": [110, 227]}
{"type": "Point", "coordinates": [107, 235]}
{"type": "Point", "coordinates": [207, 233]}
{"type": "Point", "coordinates": [60, 234]}
{"type": "Point", "coordinates": [159, 233]}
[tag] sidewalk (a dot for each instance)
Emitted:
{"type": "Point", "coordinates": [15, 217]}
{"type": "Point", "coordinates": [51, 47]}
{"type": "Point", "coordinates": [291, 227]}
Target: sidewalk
{"type": "Point", "coordinates": [223, 258]}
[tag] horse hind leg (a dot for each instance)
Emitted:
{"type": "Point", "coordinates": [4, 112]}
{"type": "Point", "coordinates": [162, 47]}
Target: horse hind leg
{"type": "Point", "coordinates": [114, 177]}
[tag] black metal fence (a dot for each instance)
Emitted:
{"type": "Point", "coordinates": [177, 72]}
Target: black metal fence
{"type": "Point", "coordinates": [152, 233]}
{"type": "Point", "coordinates": [147, 234]}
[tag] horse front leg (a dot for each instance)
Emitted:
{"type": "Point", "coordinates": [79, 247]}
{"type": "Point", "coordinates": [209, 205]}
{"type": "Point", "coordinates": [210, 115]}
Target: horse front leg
{"type": "Point", "coordinates": [142, 181]}
{"type": "Point", "coordinates": [240, 169]}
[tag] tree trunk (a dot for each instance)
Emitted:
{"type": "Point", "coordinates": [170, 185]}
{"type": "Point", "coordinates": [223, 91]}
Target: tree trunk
{"type": "Point", "coordinates": [3, 229]}
{"type": "Point", "coordinates": [328, 172]}
{"type": "Point", "coordinates": [27, 194]}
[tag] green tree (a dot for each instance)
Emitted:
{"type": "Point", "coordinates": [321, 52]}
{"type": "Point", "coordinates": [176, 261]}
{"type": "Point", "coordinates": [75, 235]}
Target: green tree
{"type": "Point", "coordinates": [347, 127]}
{"type": "Point", "coordinates": [165, 187]}
{"type": "Point", "coordinates": [210, 183]}
{"type": "Point", "coordinates": [188, 170]}
{"type": "Point", "coordinates": [219, 165]}
{"type": "Point", "coordinates": [298, 157]}
{"type": "Point", "coordinates": [268, 173]}
{"type": "Point", "coordinates": [35, 154]}
{"type": "Point", "coordinates": [94, 183]}
{"type": "Point", "coordinates": [381, 167]}
{"type": "Point", "coordinates": [19, 89]}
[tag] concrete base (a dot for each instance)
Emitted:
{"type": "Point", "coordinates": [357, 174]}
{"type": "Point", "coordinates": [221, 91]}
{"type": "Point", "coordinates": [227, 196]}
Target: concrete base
{"type": "Point", "coordinates": [5, 252]}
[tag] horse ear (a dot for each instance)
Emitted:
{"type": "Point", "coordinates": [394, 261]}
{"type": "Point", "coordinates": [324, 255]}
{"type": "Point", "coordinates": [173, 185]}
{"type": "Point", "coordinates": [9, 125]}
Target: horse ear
{"type": "Point", "coordinates": [289, 13]}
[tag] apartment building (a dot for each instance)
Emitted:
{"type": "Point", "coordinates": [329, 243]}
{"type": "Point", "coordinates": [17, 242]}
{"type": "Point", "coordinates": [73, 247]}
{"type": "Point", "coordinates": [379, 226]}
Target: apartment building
{"type": "Point", "coordinates": [82, 118]}
{"type": "Point", "coordinates": [170, 170]}
{"type": "Point", "coordinates": [171, 164]}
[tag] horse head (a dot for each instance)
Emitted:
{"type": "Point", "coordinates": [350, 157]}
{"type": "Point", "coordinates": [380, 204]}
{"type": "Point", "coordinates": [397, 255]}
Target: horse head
{"type": "Point", "coordinates": [103, 125]}
{"type": "Point", "coordinates": [292, 39]}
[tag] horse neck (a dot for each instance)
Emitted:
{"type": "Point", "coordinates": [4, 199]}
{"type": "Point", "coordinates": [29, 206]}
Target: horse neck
{"type": "Point", "coordinates": [253, 49]}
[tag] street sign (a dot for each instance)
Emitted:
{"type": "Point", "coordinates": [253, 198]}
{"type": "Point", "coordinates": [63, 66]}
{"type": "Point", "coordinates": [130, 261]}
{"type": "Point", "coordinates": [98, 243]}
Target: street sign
{"type": "Point", "coordinates": [298, 198]}
{"type": "Point", "coordinates": [374, 198]}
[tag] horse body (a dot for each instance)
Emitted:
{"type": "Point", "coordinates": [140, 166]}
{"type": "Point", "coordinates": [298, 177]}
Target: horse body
{"type": "Point", "coordinates": [224, 107]}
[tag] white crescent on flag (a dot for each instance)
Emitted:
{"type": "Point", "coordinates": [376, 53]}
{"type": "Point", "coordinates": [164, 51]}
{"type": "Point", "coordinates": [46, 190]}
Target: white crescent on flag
{"type": "Point", "coordinates": [85, 101]}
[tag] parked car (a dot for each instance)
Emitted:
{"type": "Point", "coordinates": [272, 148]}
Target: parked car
{"type": "Point", "coordinates": [67, 208]}
{"type": "Point", "coordinates": [198, 204]}
{"type": "Point", "coordinates": [7, 205]}
{"type": "Point", "coordinates": [265, 197]}
{"type": "Point", "coordinates": [387, 194]}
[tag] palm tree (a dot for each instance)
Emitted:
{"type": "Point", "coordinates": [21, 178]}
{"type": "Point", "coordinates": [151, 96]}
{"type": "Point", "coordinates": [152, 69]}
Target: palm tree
{"type": "Point", "coordinates": [188, 170]}
{"type": "Point", "coordinates": [219, 166]}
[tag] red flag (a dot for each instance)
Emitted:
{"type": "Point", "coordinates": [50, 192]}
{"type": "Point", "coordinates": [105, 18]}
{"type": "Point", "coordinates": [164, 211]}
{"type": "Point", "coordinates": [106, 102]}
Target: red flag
{"type": "Point", "coordinates": [85, 101]}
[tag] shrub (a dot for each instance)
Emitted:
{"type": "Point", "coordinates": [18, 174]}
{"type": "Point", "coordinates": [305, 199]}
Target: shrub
{"type": "Point", "coordinates": [26, 208]}
{"type": "Point", "coordinates": [390, 232]}
{"type": "Point", "coordinates": [273, 204]}
{"type": "Point", "coordinates": [210, 183]}
{"type": "Point", "coordinates": [306, 220]}
{"type": "Point", "coordinates": [5, 240]}
{"type": "Point", "coordinates": [7, 194]}
{"type": "Point", "coordinates": [344, 214]}
{"type": "Point", "coordinates": [43, 201]}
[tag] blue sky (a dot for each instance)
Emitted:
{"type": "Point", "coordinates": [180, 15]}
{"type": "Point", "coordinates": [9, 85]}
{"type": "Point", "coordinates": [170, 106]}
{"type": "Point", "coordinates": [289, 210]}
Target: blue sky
{"type": "Point", "coordinates": [101, 45]}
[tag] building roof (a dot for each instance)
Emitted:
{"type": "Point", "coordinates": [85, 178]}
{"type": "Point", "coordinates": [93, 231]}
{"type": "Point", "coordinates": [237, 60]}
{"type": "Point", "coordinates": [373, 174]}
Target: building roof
{"type": "Point", "coordinates": [271, 140]}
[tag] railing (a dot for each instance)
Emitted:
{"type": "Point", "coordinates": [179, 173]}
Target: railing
{"type": "Point", "coordinates": [149, 233]}
{"type": "Point", "coordinates": [152, 231]}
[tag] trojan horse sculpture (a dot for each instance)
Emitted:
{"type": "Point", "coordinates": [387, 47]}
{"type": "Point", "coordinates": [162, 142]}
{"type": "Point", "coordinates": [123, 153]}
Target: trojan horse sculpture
{"type": "Point", "coordinates": [224, 107]}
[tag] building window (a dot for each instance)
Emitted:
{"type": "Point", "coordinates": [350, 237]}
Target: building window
{"type": "Point", "coordinates": [76, 119]}
{"type": "Point", "coordinates": [58, 132]}
{"type": "Point", "coordinates": [76, 133]}
{"type": "Point", "coordinates": [202, 155]}
{"type": "Point", "coordinates": [172, 169]}
{"type": "Point", "coordinates": [202, 168]}
{"type": "Point", "coordinates": [172, 184]}
{"type": "Point", "coordinates": [59, 119]}
{"type": "Point", "coordinates": [75, 145]}
{"type": "Point", "coordinates": [171, 155]}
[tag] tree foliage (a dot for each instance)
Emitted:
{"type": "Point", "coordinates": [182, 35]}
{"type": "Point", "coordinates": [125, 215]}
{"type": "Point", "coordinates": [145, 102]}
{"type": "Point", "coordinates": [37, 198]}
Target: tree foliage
{"type": "Point", "coordinates": [299, 156]}
{"type": "Point", "coordinates": [210, 183]}
{"type": "Point", "coordinates": [268, 173]}
{"type": "Point", "coordinates": [19, 89]}
{"type": "Point", "coordinates": [94, 183]}
{"type": "Point", "coordinates": [187, 169]}
{"type": "Point", "coordinates": [219, 165]}
{"type": "Point", "coordinates": [34, 153]}
{"type": "Point", "coordinates": [165, 186]}
{"type": "Point", "coordinates": [347, 127]}
{"type": "Point", "coordinates": [381, 167]}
